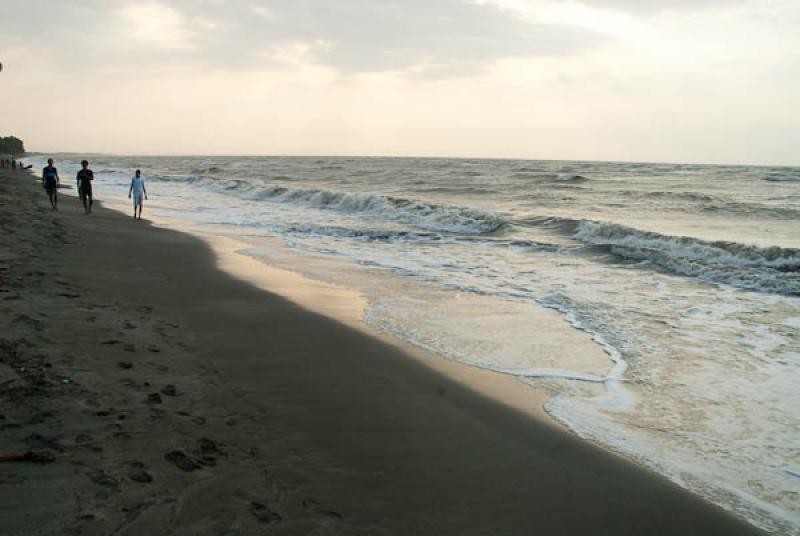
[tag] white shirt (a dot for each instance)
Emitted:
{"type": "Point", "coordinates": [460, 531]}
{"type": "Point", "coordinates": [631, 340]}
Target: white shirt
{"type": "Point", "coordinates": [137, 183]}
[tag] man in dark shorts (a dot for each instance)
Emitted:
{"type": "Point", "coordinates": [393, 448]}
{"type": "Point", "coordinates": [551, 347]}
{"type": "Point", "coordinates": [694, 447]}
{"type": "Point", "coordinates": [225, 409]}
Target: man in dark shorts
{"type": "Point", "coordinates": [50, 181]}
{"type": "Point", "coordinates": [85, 178]}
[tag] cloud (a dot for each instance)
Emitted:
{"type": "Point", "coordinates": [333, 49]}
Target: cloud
{"type": "Point", "coordinates": [158, 24]}
{"type": "Point", "coordinates": [434, 37]}
{"type": "Point", "coordinates": [644, 6]}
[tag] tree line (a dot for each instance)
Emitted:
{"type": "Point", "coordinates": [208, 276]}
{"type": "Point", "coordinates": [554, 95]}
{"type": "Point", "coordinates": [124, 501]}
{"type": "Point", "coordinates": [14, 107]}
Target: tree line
{"type": "Point", "coordinates": [11, 145]}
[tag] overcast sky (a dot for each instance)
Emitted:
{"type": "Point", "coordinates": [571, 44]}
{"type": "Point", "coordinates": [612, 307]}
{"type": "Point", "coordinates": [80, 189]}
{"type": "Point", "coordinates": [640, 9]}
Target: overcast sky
{"type": "Point", "coordinates": [714, 81]}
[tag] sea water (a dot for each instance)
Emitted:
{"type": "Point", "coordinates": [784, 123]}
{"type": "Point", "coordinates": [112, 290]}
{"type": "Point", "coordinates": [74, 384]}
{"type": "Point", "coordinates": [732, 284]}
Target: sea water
{"type": "Point", "coordinates": [687, 276]}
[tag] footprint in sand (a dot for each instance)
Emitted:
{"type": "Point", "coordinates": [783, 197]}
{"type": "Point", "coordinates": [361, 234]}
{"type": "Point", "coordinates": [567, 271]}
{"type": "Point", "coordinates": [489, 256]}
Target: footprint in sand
{"type": "Point", "coordinates": [137, 473]}
{"type": "Point", "coordinates": [37, 441]}
{"type": "Point", "coordinates": [207, 451]}
{"type": "Point", "coordinates": [83, 439]}
{"type": "Point", "coordinates": [101, 478]}
{"type": "Point", "coordinates": [263, 513]}
{"type": "Point", "coordinates": [182, 461]}
{"type": "Point", "coordinates": [26, 320]}
{"type": "Point", "coordinates": [314, 506]}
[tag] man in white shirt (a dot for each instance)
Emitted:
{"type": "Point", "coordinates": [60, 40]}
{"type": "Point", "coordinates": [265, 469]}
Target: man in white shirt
{"type": "Point", "coordinates": [139, 193]}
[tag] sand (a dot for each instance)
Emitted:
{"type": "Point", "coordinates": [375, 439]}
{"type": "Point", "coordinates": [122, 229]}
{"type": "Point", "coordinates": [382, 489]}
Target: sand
{"type": "Point", "coordinates": [174, 398]}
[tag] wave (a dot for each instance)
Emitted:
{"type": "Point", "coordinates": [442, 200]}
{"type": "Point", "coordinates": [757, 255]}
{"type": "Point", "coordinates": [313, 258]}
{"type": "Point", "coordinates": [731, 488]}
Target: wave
{"type": "Point", "coordinates": [767, 269]}
{"type": "Point", "coordinates": [557, 178]}
{"type": "Point", "coordinates": [424, 215]}
{"type": "Point", "coordinates": [783, 177]}
{"type": "Point", "coordinates": [672, 196]}
{"type": "Point", "coordinates": [709, 203]}
{"type": "Point", "coordinates": [574, 179]}
{"type": "Point", "coordinates": [362, 234]}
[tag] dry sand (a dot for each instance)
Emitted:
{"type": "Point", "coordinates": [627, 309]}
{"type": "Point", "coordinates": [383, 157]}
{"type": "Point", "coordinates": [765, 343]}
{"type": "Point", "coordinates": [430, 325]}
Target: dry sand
{"type": "Point", "coordinates": [177, 399]}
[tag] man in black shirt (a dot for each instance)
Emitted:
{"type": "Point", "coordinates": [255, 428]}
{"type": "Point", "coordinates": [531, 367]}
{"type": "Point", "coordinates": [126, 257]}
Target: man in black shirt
{"type": "Point", "coordinates": [51, 181]}
{"type": "Point", "coordinates": [85, 178]}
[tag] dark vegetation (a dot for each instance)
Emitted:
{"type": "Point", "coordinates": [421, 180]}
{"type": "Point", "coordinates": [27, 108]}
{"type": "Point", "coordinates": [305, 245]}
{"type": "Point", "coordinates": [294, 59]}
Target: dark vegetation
{"type": "Point", "coordinates": [11, 145]}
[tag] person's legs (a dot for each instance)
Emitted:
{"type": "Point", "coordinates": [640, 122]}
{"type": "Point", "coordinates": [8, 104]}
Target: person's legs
{"type": "Point", "coordinates": [86, 196]}
{"type": "Point", "coordinates": [138, 200]}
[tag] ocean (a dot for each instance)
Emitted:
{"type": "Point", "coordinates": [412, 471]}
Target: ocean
{"type": "Point", "coordinates": [687, 276]}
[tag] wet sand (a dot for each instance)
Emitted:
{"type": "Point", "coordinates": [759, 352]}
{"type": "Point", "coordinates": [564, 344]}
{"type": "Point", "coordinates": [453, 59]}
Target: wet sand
{"type": "Point", "coordinates": [175, 398]}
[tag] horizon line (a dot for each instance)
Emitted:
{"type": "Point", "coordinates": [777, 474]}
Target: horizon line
{"type": "Point", "coordinates": [439, 157]}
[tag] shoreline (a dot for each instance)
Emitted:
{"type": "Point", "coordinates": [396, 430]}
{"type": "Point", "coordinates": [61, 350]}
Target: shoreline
{"type": "Point", "coordinates": [290, 419]}
{"type": "Point", "coordinates": [346, 306]}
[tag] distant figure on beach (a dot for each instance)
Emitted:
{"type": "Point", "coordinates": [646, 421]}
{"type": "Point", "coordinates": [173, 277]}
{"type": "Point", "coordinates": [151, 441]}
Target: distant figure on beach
{"type": "Point", "coordinates": [51, 181]}
{"type": "Point", "coordinates": [139, 193]}
{"type": "Point", "coordinates": [85, 178]}
{"type": "Point", "coordinates": [13, 164]}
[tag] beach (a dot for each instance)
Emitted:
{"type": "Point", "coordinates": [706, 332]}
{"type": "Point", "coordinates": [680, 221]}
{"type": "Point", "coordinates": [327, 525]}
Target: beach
{"type": "Point", "coordinates": [171, 394]}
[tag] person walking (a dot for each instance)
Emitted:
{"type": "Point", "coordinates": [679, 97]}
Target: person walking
{"type": "Point", "coordinates": [139, 193]}
{"type": "Point", "coordinates": [51, 181]}
{"type": "Point", "coordinates": [85, 178]}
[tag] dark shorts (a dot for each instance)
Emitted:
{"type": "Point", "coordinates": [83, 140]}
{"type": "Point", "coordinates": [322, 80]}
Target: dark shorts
{"type": "Point", "coordinates": [51, 185]}
{"type": "Point", "coordinates": [86, 191]}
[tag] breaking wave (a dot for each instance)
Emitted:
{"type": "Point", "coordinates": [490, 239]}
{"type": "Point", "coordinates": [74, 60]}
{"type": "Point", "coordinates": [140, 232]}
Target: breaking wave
{"type": "Point", "coordinates": [424, 215]}
{"type": "Point", "coordinates": [766, 269]}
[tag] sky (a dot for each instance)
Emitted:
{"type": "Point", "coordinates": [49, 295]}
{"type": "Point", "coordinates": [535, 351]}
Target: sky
{"type": "Point", "coordinates": [700, 81]}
